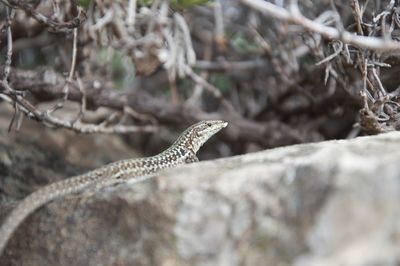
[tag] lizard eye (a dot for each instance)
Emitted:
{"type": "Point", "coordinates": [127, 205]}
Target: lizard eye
{"type": "Point", "coordinates": [209, 124]}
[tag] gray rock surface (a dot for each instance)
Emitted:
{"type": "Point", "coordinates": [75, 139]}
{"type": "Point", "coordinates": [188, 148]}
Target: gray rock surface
{"type": "Point", "coordinates": [328, 203]}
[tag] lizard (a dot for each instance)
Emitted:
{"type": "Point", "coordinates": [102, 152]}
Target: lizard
{"type": "Point", "coordinates": [183, 150]}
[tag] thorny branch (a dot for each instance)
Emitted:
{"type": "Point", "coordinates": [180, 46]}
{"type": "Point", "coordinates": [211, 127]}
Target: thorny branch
{"type": "Point", "coordinates": [293, 15]}
{"type": "Point", "coordinates": [15, 98]}
{"type": "Point", "coordinates": [370, 41]}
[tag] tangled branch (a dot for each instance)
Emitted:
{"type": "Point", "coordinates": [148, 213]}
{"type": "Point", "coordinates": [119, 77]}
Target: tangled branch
{"type": "Point", "coordinates": [293, 15]}
{"type": "Point", "coordinates": [278, 76]}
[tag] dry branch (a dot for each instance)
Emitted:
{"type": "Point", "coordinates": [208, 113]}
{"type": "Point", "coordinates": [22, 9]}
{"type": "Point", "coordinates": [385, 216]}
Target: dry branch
{"type": "Point", "coordinates": [240, 128]}
{"type": "Point", "coordinates": [45, 20]}
{"type": "Point", "coordinates": [293, 15]}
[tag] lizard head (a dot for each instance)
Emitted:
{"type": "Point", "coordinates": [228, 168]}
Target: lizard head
{"type": "Point", "coordinates": [200, 132]}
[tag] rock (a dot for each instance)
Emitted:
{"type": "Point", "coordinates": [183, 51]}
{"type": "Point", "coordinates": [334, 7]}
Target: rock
{"type": "Point", "coordinates": [328, 203]}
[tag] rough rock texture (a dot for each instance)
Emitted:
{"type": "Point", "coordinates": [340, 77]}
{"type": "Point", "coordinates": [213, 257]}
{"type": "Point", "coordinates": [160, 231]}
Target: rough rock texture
{"type": "Point", "coordinates": [329, 203]}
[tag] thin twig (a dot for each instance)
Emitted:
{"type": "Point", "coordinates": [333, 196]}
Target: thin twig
{"type": "Point", "coordinates": [195, 98]}
{"type": "Point", "coordinates": [365, 78]}
{"type": "Point", "coordinates": [378, 81]}
{"type": "Point", "coordinates": [211, 88]}
{"type": "Point", "coordinates": [130, 20]}
{"type": "Point", "coordinates": [188, 46]}
{"type": "Point", "coordinates": [330, 57]}
{"type": "Point", "coordinates": [223, 65]}
{"type": "Point", "coordinates": [84, 99]}
{"type": "Point", "coordinates": [357, 16]}
{"type": "Point", "coordinates": [219, 26]}
{"type": "Point", "coordinates": [7, 64]}
{"type": "Point", "coordinates": [74, 52]}
{"type": "Point", "coordinates": [69, 80]}
{"type": "Point", "coordinates": [143, 117]}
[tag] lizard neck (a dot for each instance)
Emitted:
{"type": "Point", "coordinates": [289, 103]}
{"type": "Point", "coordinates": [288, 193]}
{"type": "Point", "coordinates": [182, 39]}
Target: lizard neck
{"type": "Point", "coordinates": [177, 154]}
{"type": "Point", "coordinates": [184, 144]}
{"type": "Point", "coordinates": [126, 169]}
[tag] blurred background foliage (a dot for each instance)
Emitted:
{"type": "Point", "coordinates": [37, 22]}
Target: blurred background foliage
{"type": "Point", "coordinates": [167, 64]}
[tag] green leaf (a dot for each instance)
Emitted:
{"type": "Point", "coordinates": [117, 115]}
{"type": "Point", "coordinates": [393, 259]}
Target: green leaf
{"type": "Point", "coordinates": [243, 44]}
{"type": "Point", "coordinates": [84, 3]}
{"type": "Point", "coordinates": [222, 82]}
{"type": "Point", "coordinates": [183, 4]}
